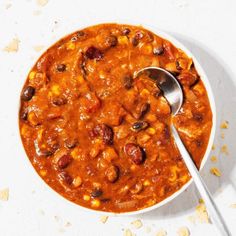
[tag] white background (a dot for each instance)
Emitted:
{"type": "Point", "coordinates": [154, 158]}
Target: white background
{"type": "Point", "coordinates": [206, 27]}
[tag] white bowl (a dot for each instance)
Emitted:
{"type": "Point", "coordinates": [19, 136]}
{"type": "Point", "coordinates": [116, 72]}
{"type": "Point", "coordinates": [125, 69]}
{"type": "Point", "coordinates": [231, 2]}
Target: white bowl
{"type": "Point", "coordinates": [206, 83]}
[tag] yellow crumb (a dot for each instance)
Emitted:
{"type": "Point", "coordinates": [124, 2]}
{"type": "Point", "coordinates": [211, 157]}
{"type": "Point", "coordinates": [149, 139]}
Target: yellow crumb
{"type": "Point", "coordinates": [222, 135]}
{"type": "Point", "coordinates": [213, 147]}
{"type": "Point", "coordinates": [128, 233]}
{"type": "Point", "coordinates": [215, 171]}
{"type": "Point", "coordinates": [161, 232]}
{"type": "Point", "coordinates": [224, 149]}
{"type": "Point", "coordinates": [201, 213]}
{"type": "Point", "coordinates": [4, 194]}
{"type": "Point", "coordinates": [137, 224]}
{"type": "Point", "coordinates": [38, 48]}
{"type": "Point", "coordinates": [213, 158]}
{"type": "Point", "coordinates": [42, 3]}
{"type": "Point", "coordinates": [183, 231]}
{"type": "Point", "coordinates": [103, 219]}
{"type": "Point", "coordinates": [13, 46]}
{"type": "Point", "coordinates": [224, 125]}
{"type": "Point", "coordinates": [95, 203]}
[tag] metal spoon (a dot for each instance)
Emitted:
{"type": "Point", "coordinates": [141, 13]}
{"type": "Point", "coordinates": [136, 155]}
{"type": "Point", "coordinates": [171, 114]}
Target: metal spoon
{"type": "Point", "coordinates": [173, 93]}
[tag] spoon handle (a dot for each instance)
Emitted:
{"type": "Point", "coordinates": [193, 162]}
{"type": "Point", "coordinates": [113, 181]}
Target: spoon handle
{"type": "Point", "coordinates": [201, 186]}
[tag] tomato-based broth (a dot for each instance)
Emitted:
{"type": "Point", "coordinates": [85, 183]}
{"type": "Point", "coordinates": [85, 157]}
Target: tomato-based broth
{"type": "Point", "coordinates": [100, 137]}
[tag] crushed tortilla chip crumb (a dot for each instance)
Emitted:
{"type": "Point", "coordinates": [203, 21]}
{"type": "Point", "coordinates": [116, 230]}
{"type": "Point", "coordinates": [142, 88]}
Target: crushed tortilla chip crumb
{"type": "Point", "coordinates": [8, 5]}
{"type": "Point", "coordinates": [201, 200]}
{"type": "Point", "coordinates": [38, 48]}
{"type": "Point", "coordinates": [103, 219]}
{"type": "Point", "coordinates": [213, 147]}
{"type": "Point", "coordinates": [213, 158]}
{"type": "Point", "coordinates": [4, 194]}
{"type": "Point", "coordinates": [161, 232]}
{"type": "Point", "coordinates": [202, 214]}
{"type": "Point", "coordinates": [222, 135]}
{"type": "Point", "coordinates": [183, 231]}
{"type": "Point", "coordinates": [13, 46]}
{"type": "Point", "coordinates": [128, 233]}
{"type": "Point", "coordinates": [68, 224]}
{"type": "Point", "coordinates": [224, 149]}
{"type": "Point", "coordinates": [215, 171]}
{"type": "Point", "coordinates": [233, 205]}
{"type": "Point", "coordinates": [224, 125]}
{"type": "Point", "coordinates": [42, 3]}
{"type": "Point", "coordinates": [137, 224]}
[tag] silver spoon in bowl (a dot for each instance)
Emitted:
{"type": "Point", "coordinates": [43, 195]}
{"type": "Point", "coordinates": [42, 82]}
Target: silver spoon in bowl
{"type": "Point", "coordinates": [173, 93]}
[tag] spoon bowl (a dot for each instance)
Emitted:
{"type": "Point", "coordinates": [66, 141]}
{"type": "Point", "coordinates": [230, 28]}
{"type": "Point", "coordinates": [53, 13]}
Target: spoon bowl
{"type": "Point", "coordinates": [167, 83]}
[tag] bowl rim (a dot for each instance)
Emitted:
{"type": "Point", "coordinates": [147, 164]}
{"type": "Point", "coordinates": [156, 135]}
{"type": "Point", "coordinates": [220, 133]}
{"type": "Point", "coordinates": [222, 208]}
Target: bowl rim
{"type": "Point", "coordinates": [211, 99]}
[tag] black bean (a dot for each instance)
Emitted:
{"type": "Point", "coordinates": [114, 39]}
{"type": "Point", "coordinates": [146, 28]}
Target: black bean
{"type": "Point", "coordinates": [126, 31]}
{"type": "Point", "coordinates": [94, 53]}
{"type": "Point", "coordinates": [24, 114]}
{"type": "Point", "coordinates": [139, 125]}
{"type": "Point", "coordinates": [141, 111]}
{"type": "Point", "coordinates": [128, 82]}
{"type": "Point", "coordinates": [158, 50]}
{"type": "Point", "coordinates": [61, 67]}
{"type": "Point", "coordinates": [28, 93]}
{"type": "Point", "coordinates": [71, 143]}
{"type": "Point", "coordinates": [96, 193]}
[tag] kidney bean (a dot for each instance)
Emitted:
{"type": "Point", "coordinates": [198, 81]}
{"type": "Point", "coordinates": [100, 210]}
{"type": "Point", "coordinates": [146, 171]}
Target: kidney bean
{"type": "Point", "coordinates": [128, 82]}
{"type": "Point", "coordinates": [112, 173]}
{"type": "Point", "coordinates": [105, 132]}
{"type": "Point", "coordinates": [61, 67]}
{"type": "Point", "coordinates": [187, 78]}
{"type": "Point", "coordinates": [139, 125]}
{"type": "Point", "coordinates": [94, 53]}
{"type": "Point", "coordinates": [126, 31]}
{"type": "Point", "coordinates": [111, 41]}
{"type": "Point", "coordinates": [27, 93]}
{"type": "Point", "coordinates": [64, 161]}
{"type": "Point", "coordinates": [66, 177]}
{"type": "Point", "coordinates": [96, 193]}
{"type": "Point", "coordinates": [134, 41]}
{"type": "Point", "coordinates": [198, 117]}
{"type": "Point", "coordinates": [158, 50]}
{"type": "Point", "coordinates": [141, 110]}
{"type": "Point", "coordinates": [135, 152]}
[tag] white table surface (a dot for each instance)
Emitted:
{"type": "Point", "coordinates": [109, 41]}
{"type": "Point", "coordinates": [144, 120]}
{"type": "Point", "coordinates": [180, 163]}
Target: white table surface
{"type": "Point", "coordinates": [206, 27]}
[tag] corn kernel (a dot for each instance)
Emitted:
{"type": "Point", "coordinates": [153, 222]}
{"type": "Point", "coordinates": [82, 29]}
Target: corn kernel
{"type": "Point", "coordinates": [70, 46]}
{"type": "Point", "coordinates": [32, 118]}
{"type": "Point", "coordinates": [43, 172]}
{"type": "Point", "coordinates": [32, 75]}
{"type": "Point", "coordinates": [74, 153]}
{"type": "Point", "coordinates": [24, 130]}
{"type": "Point", "coordinates": [77, 181]}
{"type": "Point", "coordinates": [123, 40]}
{"type": "Point", "coordinates": [144, 93]}
{"type": "Point", "coordinates": [95, 203]}
{"type": "Point", "coordinates": [146, 183]}
{"type": "Point", "coordinates": [151, 117]}
{"type": "Point", "coordinates": [55, 89]}
{"type": "Point", "coordinates": [86, 197]}
{"type": "Point", "coordinates": [102, 74]}
{"type": "Point", "coordinates": [133, 167]}
{"type": "Point", "coordinates": [147, 49]}
{"type": "Point", "coordinates": [151, 130]}
{"type": "Point", "coordinates": [215, 171]}
{"type": "Point", "coordinates": [80, 79]}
